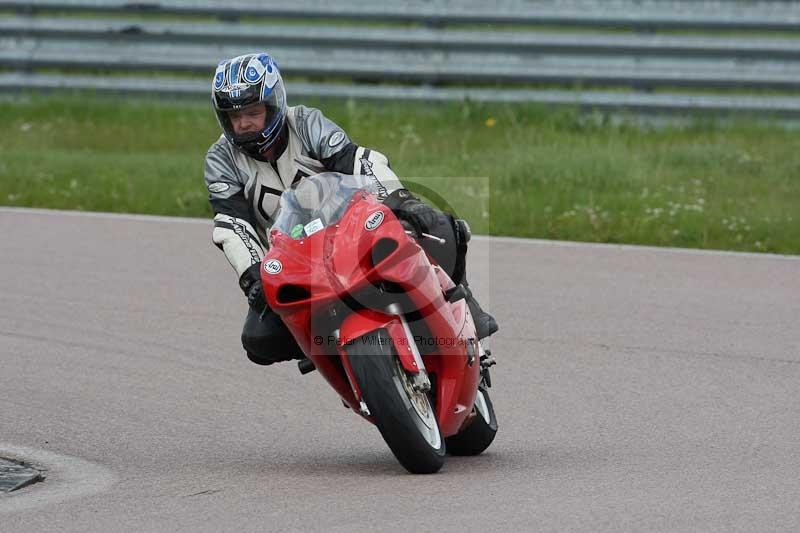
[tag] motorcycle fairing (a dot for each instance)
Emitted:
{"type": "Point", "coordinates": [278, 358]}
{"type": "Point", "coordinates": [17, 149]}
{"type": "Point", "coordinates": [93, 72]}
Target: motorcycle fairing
{"type": "Point", "coordinates": [308, 298]}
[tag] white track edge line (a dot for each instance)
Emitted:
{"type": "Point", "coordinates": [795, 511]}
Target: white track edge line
{"type": "Point", "coordinates": [497, 239]}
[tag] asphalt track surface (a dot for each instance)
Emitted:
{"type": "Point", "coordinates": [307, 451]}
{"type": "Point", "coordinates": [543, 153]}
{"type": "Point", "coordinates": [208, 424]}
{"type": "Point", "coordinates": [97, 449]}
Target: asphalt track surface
{"type": "Point", "coordinates": [637, 389]}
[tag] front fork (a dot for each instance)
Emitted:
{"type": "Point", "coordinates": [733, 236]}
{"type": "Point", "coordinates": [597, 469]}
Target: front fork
{"type": "Point", "coordinates": [392, 319]}
{"type": "Point", "coordinates": [420, 381]}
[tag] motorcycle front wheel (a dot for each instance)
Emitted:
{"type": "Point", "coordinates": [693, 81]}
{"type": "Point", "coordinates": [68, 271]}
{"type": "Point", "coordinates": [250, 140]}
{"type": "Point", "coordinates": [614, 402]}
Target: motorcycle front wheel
{"type": "Point", "coordinates": [404, 416]}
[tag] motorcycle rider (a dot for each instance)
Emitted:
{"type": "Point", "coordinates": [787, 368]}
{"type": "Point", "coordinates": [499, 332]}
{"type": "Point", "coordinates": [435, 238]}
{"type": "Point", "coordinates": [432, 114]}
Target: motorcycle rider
{"type": "Point", "coordinates": [265, 148]}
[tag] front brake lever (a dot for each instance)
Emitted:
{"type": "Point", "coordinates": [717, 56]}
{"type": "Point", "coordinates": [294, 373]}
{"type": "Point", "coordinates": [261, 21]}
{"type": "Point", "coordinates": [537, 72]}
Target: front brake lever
{"type": "Point", "coordinates": [427, 236]}
{"type": "Point", "coordinates": [434, 238]}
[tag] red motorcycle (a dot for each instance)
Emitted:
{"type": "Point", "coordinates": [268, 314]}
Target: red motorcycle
{"type": "Point", "coordinates": [387, 329]}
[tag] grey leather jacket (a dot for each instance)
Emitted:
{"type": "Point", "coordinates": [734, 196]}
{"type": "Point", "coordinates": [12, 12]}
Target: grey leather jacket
{"type": "Point", "coordinates": [244, 192]}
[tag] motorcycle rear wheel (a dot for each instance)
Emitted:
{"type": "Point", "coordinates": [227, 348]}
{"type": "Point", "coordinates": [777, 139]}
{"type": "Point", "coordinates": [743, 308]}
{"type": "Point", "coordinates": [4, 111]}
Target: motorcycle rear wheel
{"type": "Point", "coordinates": [479, 434]}
{"type": "Point", "coordinates": [404, 417]}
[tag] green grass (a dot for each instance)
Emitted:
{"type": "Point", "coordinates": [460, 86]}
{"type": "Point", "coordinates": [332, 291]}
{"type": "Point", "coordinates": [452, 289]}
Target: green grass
{"type": "Point", "coordinates": [510, 170]}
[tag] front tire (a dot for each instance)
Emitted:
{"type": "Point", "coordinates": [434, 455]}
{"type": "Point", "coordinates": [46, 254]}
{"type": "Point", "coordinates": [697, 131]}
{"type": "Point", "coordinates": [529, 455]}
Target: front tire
{"type": "Point", "coordinates": [404, 417]}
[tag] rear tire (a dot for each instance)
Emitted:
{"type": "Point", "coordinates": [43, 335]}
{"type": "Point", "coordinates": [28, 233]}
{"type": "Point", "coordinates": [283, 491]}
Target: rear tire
{"type": "Point", "coordinates": [404, 417]}
{"type": "Point", "coordinates": [479, 434]}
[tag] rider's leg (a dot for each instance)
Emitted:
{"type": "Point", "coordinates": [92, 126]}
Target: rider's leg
{"type": "Point", "coordinates": [267, 340]}
{"type": "Point", "coordinates": [485, 324]}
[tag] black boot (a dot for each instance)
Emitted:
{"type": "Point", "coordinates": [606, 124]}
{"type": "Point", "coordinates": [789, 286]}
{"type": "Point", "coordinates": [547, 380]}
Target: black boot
{"type": "Point", "coordinates": [485, 324]}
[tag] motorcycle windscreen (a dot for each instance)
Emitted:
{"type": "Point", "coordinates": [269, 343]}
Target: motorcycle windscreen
{"type": "Point", "coordinates": [318, 201]}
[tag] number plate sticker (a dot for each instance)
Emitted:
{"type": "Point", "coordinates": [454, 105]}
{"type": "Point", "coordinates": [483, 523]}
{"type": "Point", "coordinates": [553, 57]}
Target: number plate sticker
{"type": "Point", "coordinates": [313, 227]}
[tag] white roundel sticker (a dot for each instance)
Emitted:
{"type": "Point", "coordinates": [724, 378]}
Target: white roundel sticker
{"type": "Point", "coordinates": [336, 138]}
{"type": "Point", "coordinates": [373, 221]}
{"type": "Point", "coordinates": [218, 187]}
{"type": "Point", "coordinates": [273, 266]}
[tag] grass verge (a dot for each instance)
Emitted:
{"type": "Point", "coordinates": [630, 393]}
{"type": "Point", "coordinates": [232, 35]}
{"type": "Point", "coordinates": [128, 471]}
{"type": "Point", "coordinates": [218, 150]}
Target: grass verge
{"type": "Point", "coordinates": [521, 170]}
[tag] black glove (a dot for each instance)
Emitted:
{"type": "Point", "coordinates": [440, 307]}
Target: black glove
{"type": "Point", "coordinates": [250, 282]}
{"type": "Point", "coordinates": [422, 218]}
{"type": "Point", "coordinates": [410, 209]}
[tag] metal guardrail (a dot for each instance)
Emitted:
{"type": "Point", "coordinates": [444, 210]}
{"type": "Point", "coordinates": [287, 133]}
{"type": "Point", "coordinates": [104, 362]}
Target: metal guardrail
{"type": "Point", "coordinates": [434, 57]}
{"type": "Point", "coordinates": [143, 30]}
{"type": "Point", "coordinates": [638, 14]}
{"type": "Point", "coordinates": [781, 106]}
{"type": "Point", "coordinates": [411, 66]}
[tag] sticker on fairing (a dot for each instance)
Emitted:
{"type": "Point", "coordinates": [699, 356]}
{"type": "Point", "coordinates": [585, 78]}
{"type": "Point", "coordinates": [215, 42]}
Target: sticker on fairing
{"type": "Point", "coordinates": [297, 231]}
{"type": "Point", "coordinates": [373, 221]}
{"type": "Point", "coordinates": [273, 266]}
{"type": "Point", "coordinates": [218, 187]}
{"type": "Point", "coordinates": [313, 227]}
